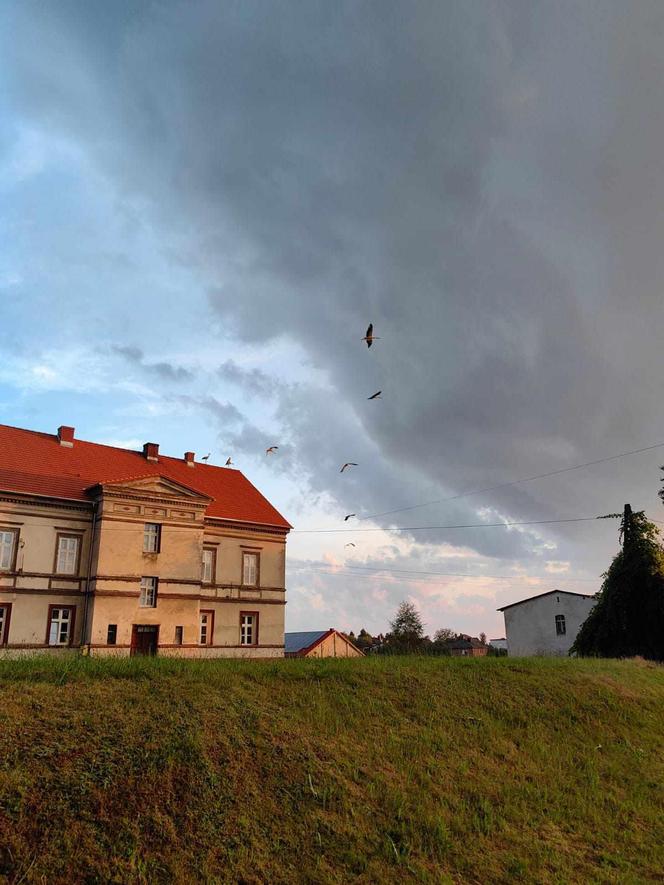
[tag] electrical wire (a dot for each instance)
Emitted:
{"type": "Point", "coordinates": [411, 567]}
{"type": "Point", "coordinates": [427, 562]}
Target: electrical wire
{"type": "Point", "coordinates": [513, 482]}
{"type": "Point", "coordinates": [471, 525]}
{"type": "Point", "coordinates": [413, 573]}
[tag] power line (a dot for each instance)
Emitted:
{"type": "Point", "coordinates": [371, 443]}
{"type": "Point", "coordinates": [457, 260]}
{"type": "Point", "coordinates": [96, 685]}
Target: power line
{"type": "Point", "coordinates": [412, 573]}
{"type": "Point", "coordinates": [504, 485]}
{"type": "Point", "coordinates": [420, 528]}
{"type": "Point", "coordinates": [558, 579]}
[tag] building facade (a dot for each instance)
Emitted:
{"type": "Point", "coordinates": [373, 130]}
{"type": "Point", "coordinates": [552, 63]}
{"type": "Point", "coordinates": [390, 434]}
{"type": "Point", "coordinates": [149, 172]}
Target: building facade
{"type": "Point", "coordinates": [545, 624]}
{"type": "Point", "coordinates": [120, 552]}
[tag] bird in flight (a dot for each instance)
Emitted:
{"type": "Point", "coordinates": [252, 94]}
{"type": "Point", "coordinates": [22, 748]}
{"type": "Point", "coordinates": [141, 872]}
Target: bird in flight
{"type": "Point", "coordinates": [205, 457]}
{"type": "Point", "coordinates": [349, 544]}
{"type": "Point", "coordinates": [376, 395]}
{"type": "Point", "coordinates": [346, 518]}
{"type": "Point", "coordinates": [370, 337]}
{"type": "Point", "coordinates": [348, 464]}
{"type": "Point", "coordinates": [228, 463]}
{"type": "Point", "coordinates": [271, 450]}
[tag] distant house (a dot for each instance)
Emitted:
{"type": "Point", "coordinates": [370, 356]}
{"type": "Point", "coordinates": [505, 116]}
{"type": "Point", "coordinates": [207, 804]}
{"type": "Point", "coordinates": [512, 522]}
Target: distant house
{"type": "Point", "coordinates": [546, 624]}
{"type": "Point", "coordinates": [320, 644]}
{"type": "Point", "coordinates": [467, 646]}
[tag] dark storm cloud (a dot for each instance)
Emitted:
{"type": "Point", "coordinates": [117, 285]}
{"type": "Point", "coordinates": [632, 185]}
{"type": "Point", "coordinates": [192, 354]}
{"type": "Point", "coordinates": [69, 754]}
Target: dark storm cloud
{"type": "Point", "coordinates": [165, 371]}
{"type": "Point", "coordinates": [483, 181]}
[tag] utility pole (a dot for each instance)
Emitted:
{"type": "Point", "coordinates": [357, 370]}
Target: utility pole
{"type": "Point", "coordinates": [627, 526]}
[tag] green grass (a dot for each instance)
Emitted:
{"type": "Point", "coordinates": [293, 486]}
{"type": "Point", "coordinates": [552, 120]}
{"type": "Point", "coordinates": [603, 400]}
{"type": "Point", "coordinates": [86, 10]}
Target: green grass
{"type": "Point", "coordinates": [371, 770]}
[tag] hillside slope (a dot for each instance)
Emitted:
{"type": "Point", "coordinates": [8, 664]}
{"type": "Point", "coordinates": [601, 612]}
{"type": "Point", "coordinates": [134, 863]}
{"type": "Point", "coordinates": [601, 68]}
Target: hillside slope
{"type": "Point", "coordinates": [370, 770]}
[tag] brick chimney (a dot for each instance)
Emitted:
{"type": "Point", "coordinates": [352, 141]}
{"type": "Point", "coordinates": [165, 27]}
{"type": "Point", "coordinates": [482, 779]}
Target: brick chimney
{"type": "Point", "coordinates": [66, 436]}
{"type": "Point", "coordinates": [189, 459]}
{"type": "Point", "coordinates": [151, 451]}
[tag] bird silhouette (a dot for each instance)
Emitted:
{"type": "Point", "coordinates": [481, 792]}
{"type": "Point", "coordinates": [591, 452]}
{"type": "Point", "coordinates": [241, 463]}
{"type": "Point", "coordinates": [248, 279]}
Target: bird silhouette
{"type": "Point", "coordinates": [271, 450]}
{"type": "Point", "coordinates": [349, 544]}
{"type": "Point", "coordinates": [376, 395]}
{"type": "Point", "coordinates": [228, 463]}
{"type": "Point", "coordinates": [346, 518]}
{"type": "Point", "coordinates": [370, 337]}
{"type": "Point", "coordinates": [348, 464]}
{"type": "Point", "coordinates": [205, 457]}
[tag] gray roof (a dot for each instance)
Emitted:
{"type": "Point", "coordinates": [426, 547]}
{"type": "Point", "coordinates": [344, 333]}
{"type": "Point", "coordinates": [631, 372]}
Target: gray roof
{"type": "Point", "coordinates": [548, 593]}
{"type": "Point", "coordinates": [297, 641]}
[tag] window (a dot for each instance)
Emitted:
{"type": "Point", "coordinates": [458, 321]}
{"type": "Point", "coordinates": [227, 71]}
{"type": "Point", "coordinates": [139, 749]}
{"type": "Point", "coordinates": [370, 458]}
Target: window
{"type": "Point", "coordinates": [66, 560]}
{"type": "Point", "coordinates": [151, 537]}
{"type": "Point", "coordinates": [206, 634]}
{"type": "Point", "coordinates": [7, 549]}
{"type": "Point", "coordinates": [5, 615]}
{"type": "Point", "coordinates": [60, 624]}
{"type": "Point", "coordinates": [178, 635]}
{"type": "Point", "coordinates": [560, 625]}
{"type": "Point", "coordinates": [148, 598]}
{"type": "Point", "coordinates": [209, 565]}
{"type": "Point", "coordinates": [249, 628]}
{"type": "Point", "coordinates": [112, 634]}
{"type": "Point", "coordinates": [250, 569]}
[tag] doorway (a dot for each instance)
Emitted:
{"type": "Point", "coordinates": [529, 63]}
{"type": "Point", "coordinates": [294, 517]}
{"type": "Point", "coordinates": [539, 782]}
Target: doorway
{"type": "Point", "coordinates": [144, 639]}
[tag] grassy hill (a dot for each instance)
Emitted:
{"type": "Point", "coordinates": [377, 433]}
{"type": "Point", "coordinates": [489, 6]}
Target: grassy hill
{"type": "Point", "coordinates": [373, 770]}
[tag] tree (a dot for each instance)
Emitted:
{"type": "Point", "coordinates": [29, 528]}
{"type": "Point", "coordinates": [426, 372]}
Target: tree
{"type": "Point", "coordinates": [444, 634]}
{"type": "Point", "coordinates": [628, 617]}
{"type": "Point", "coordinates": [483, 638]}
{"type": "Point", "coordinates": [407, 625]}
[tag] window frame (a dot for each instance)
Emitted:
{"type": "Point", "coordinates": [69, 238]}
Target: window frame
{"type": "Point", "coordinates": [210, 626]}
{"type": "Point", "coordinates": [4, 632]}
{"type": "Point", "coordinates": [256, 616]}
{"type": "Point", "coordinates": [16, 532]}
{"type": "Point", "coordinates": [156, 535]}
{"type": "Point", "coordinates": [213, 567]}
{"type": "Point", "coordinates": [114, 627]}
{"type": "Point", "coordinates": [78, 537]}
{"type": "Point", "coordinates": [561, 621]}
{"type": "Point", "coordinates": [156, 591]}
{"type": "Point", "coordinates": [72, 626]}
{"type": "Point", "coordinates": [181, 636]}
{"type": "Point", "coordinates": [257, 555]}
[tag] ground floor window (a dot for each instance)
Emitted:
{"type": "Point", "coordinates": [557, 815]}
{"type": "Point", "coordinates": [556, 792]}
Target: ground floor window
{"type": "Point", "coordinates": [178, 635]}
{"type": "Point", "coordinates": [148, 597]}
{"type": "Point", "coordinates": [561, 628]}
{"type": "Point", "coordinates": [112, 634]}
{"type": "Point", "coordinates": [248, 628]}
{"type": "Point", "coordinates": [60, 624]}
{"type": "Point", "coordinates": [206, 634]}
{"type": "Point", "coordinates": [5, 614]}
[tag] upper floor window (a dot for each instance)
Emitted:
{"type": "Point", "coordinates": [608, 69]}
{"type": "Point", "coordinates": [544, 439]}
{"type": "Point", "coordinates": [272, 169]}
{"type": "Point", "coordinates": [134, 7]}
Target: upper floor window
{"type": "Point", "coordinates": [151, 537]}
{"type": "Point", "coordinates": [249, 628]}
{"type": "Point", "coordinates": [250, 569]}
{"type": "Point", "coordinates": [561, 629]}
{"type": "Point", "coordinates": [209, 565]}
{"type": "Point", "coordinates": [66, 559]}
{"type": "Point", "coordinates": [148, 597]}
{"type": "Point", "coordinates": [7, 549]}
{"type": "Point", "coordinates": [61, 624]}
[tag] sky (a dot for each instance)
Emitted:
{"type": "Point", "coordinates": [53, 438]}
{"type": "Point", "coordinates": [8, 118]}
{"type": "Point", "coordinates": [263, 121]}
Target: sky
{"type": "Point", "coordinates": [203, 205]}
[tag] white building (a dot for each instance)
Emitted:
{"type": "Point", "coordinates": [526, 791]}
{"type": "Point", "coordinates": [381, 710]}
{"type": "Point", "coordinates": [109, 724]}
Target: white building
{"type": "Point", "coordinates": [546, 624]}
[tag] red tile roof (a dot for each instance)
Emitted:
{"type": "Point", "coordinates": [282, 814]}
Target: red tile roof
{"type": "Point", "coordinates": [37, 464]}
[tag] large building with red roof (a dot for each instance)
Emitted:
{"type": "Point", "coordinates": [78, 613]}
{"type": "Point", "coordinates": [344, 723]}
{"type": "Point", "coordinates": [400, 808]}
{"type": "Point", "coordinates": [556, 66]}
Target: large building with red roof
{"type": "Point", "coordinates": [115, 551]}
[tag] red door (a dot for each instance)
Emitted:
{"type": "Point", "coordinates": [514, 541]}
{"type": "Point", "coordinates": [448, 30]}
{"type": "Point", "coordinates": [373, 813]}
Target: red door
{"type": "Point", "coordinates": [144, 639]}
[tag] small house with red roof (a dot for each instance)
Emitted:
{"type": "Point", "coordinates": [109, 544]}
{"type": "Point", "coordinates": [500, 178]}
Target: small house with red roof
{"type": "Point", "coordinates": [114, 551]}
